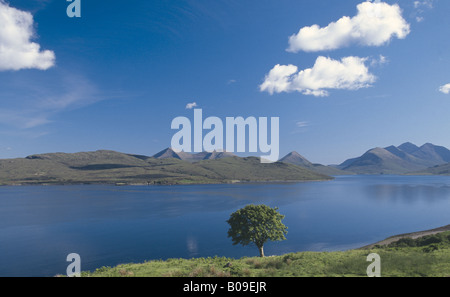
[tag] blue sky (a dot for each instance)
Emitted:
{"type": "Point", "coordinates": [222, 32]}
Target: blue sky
{"type": "Point", "coordinates": [116, 77]}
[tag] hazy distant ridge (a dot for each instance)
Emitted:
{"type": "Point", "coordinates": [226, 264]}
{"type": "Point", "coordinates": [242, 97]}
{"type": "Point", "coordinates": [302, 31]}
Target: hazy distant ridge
{"type": "Point", "coordinates": [402, 159]}
{"type": "Point", "coordinates": [297, 159]}
{"type": "Point", "coordinates": [170, 153]}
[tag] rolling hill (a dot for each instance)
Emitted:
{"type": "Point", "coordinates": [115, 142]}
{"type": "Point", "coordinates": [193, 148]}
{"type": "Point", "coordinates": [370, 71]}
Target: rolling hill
{"type": "Point", "coordinates": [110, 167]}
{"type": "Point", "coordinates": [436, 170]}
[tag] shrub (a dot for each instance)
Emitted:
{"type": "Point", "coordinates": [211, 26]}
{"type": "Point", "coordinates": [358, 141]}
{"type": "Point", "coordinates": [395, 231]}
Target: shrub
{"type": "Point", "coordinates": [431, 248]}
{"type": "Point", "coordinates": [404, 242]}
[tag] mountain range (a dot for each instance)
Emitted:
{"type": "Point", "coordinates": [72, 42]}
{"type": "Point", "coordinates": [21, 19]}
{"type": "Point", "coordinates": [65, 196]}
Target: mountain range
{"type": "Point", "coordinates": [166, 167]}
{"type": "Point", "coordinates": [406, 158]}
{"type": "Point", "coordinates": [170, 167]}
{"type": "Point", "coordinates": [169, 153]}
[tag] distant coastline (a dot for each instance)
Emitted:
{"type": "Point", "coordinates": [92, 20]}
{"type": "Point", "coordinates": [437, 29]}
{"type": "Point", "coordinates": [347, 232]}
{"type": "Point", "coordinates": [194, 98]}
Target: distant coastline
{"type": "Point", "coordinates": [120, 184]}
{"type": "Point", "coordinates": [171, 168]}
{"type": "Point", "coordinates": [110, 167]}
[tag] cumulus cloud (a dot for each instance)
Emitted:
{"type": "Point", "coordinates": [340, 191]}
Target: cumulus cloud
{"type": "Point", "coordinates": [445, 89]}
{"type": "Point", "coordinates": [17, 51]}
{"type": "Point", "coordinates": [191, 105]}
{"type": "Point", "coordinates": [279, 79]}
{"type": "Point", "coordinates": [375, 24]}
{"type": "Point", "coordinates": [350, 73]}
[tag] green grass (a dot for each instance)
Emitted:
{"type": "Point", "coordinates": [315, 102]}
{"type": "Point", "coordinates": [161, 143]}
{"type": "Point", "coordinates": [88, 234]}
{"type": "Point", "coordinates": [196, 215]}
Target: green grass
{"type": "Point", "coordinates": [425, 257]}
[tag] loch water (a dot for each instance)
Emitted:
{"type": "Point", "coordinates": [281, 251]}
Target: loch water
{"type": "Point", "coordinates": [110, 225]}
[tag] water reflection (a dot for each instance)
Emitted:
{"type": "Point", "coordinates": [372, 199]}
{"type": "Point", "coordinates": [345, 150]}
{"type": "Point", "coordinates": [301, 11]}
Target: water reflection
{"type": "Point", "coordinates": [408, 193]}
{"type": "Point", "coordinates": [63, 203]}
{"type": "Point", "coordinates": [192, 246]}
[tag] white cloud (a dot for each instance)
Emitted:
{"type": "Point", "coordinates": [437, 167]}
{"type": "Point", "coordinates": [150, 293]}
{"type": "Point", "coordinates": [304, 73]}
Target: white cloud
{"type": "Point", "coordinates": [191, 105]}
{"type": "Point", "coordinates": [302, 124]}
{"type": "Point", "coordinates": [381, 60]}
{"type": "Point", "coordinates": [279, 79]}
{"type": "Point", "coordinates": [17, 51]}
{"type": "Point", "coordinates": [445, 89]}
{"type": "Point", "coordinates": [424, 3]}
{"type": "Point", "coordinates": [350, 73]}
{"type": "Point", "coordinates": [375, 24]}
{"type": "Point", "coordinates": [420, 7]}
{"type": "Point", "coordinates": [23, 119]}
{"type": "Point", "coordinates": [38, 102]}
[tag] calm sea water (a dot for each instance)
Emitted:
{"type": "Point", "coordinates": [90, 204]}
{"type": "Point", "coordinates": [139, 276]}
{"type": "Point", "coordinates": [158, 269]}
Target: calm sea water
{"type": "Point", "coordinates": [108, 225]}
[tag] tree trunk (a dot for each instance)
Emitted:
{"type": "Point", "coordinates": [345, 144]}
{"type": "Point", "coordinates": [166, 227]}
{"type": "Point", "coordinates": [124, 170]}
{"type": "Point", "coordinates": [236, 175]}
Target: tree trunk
{"type": "Point", "coordinates": [261, 251]}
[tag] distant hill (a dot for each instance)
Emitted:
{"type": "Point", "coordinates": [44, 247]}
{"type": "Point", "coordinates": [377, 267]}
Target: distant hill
{"type": "Point", "coordinates": [380, 161]}
{"type": "Point", "coordinates": [408, 147]}
{"type": "Point", "coordinates": [436, 170]}
{"type": "Point", "coordinates": [110, 167]}
{"type": "Point", "coordinates": [297, 159]}
{"type": "Point", "coordinates": [397, 160]}
{"type": "Point", "coordinates": [436, 155]}
{"type": "Point", "coordinates": [170, 153]}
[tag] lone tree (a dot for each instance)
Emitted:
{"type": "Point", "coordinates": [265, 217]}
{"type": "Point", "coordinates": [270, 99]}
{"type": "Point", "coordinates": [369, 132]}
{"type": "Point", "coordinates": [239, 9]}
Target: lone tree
{"type": "Point", "coordinates": [256, 224]}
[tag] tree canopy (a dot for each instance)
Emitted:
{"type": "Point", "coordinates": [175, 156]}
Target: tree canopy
{"type": "Point", "coordinates": [256, 224]}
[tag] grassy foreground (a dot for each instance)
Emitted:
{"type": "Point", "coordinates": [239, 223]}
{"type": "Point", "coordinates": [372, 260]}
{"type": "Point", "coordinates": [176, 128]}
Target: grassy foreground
{"type": "Point", "coordinates": [428, 256]}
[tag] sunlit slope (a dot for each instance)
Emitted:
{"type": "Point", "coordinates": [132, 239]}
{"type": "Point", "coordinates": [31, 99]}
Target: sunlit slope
{"type": "Point", "coordinates": [119, 168]}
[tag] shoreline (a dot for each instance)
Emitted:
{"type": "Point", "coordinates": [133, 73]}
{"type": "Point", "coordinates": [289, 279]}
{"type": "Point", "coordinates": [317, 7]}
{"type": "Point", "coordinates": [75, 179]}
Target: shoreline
{"type": "Point", "coordinates": [188, 267]}
{"type": "Point", "coordinates": [121, 184]}
{"type": "Point", "coordinates": [412, 235]}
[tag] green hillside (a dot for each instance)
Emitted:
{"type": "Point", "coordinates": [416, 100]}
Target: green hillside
{"type": "Point", "coordinates": [119, 168]}
{"type": "Point", "coordinates": [251, 169]}
{"type": "Point", "coordinates": [428, 256]}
